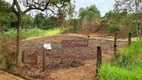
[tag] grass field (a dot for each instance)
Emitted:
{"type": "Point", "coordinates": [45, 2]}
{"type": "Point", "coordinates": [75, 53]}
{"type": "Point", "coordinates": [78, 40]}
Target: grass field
{"type": "Point", "coordinates": [31, 33]}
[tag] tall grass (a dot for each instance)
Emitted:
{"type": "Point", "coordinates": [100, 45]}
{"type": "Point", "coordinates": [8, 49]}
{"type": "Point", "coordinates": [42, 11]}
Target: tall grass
{"type": "Point", "coordinates": [109, 72]}
{"type": "Point", "coordinates": [128, 66]}
{"type": "Point", "coordinates": [30, 33]}
{"type": "Point", "coordinates": [134, 50]}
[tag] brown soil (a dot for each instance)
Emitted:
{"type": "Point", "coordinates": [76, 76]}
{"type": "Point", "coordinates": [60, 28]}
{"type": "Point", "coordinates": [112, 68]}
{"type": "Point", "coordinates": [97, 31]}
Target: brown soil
{"type": "Point", "coordinates": [6, 76]}
{"type": "Point", "coordinates": [64, 63]}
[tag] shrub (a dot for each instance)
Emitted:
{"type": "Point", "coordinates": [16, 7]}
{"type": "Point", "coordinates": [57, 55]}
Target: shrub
{"type": "Point", "coordinates": [89, 27]}
{"type": "Point", "coordinates": [113, 28]}
{"type": "Point", "coordinates": [10, 33]}
{"type": "Point", "coordinates": [128, 66]}
{"type": "Point", "coordinates": [109, 72]}
{"type": "Point", "coordinates": [5, 50]}
{"type": "Point", "coordinates": [135, 50]}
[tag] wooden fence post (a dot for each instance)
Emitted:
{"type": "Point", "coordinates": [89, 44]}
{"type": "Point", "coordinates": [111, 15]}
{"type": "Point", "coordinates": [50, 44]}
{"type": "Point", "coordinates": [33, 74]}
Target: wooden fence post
{"type": "Point", "coordinates": [129, 39]}
{"type": "Point", "coordinates": [115, 44]}
{"type": "Point", "coordinates": [43, 62]}
{"type": "Point", "coordinates": [99, 60]}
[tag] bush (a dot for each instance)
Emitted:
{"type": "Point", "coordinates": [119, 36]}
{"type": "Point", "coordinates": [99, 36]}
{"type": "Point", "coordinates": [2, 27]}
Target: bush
{"type": "Point", "coordinates": [11, 33]}
{"type": "Point", "coordinates": [113, 28]}
{"type": "Point", "coordinates": [109, 72]}
{"type": "Point", "coordinates": [5, 50]}
{"type": "Point", "coordinates": [89, 27]}
{"type": "Point", "coordinates": [128, 66]}
{"type": "Point", "coordinates": [135, 50]}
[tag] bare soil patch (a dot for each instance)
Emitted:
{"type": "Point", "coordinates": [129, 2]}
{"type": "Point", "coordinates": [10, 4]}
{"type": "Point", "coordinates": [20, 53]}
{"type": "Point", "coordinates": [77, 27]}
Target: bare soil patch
{"type": "Point", "coordinates": [64, 63]}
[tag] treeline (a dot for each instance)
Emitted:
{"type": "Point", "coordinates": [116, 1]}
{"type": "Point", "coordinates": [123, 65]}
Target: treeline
{"type": "Point", "coordinates": [8, 19]}
{"type": "Point", "coordinates": [39, 21]}
{"type": "Point", "coordinates": [121, 19]}
{"type": "Point", "coordinates": [88, 20]}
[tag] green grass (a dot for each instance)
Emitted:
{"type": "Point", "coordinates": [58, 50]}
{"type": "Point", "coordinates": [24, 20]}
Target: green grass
{"type": "Point", "coordinates": [109, 72]}
{"type": "Point", "coordinates": [32, 33]}
{"type": "Point", "coordinates": [134, 50]}
{"type": "Point", "coordinates": [128, 66]}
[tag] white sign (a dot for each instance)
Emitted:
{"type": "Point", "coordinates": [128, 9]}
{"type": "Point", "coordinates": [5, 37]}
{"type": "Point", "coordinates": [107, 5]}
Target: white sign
{"type": "Point", "coordinates": [47, 46]}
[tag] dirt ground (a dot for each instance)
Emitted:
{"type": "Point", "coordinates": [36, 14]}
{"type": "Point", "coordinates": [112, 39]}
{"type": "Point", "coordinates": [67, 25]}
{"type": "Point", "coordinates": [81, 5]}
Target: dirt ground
{"type": "Point", "coordinates": [64, 63]}
{"type": "Point", "coordinates": [7, 76]}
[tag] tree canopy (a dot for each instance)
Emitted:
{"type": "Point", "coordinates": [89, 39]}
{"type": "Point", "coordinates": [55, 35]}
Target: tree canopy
{"type": "Point", "coordinates": [89, 12]}
{"type": "Point", "coordinates": [133, 6]}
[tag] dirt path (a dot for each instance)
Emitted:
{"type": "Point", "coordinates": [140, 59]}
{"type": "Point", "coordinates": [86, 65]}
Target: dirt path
{"type": "Point", "coordinates": [7, 76]}
{"type": "Point", "coordinates": [111, 38]}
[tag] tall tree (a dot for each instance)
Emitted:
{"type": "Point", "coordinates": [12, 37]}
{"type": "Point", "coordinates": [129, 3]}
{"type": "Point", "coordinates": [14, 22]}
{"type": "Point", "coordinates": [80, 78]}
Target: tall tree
{"type": "Point", "coordinates": [39, 20]}
{"type": "Point", "coordinates": [42, 5]}
{"type": "Point", "coordinates": [89, 12]}
{"type": "Point", "coordinates": [5, 15]}
{"type": "Point", "coordinates": [27, 21]}
{"type": "Point", "coordinates": [131, 6]}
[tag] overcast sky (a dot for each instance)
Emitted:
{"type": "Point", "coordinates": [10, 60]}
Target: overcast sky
{"type": "Point", "coordinates": [103, 5]}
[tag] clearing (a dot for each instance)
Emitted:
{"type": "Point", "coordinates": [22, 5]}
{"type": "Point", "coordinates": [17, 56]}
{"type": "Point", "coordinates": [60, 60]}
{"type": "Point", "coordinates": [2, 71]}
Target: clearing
{"type": "Point", "coordinates": [64, 63]}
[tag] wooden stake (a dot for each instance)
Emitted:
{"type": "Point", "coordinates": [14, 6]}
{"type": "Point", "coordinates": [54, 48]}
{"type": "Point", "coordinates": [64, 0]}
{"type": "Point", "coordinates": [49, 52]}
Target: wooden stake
{"type": "Point", "coordinates": [129, 39]}
{"type": "Point", "coordinates": [99, 60]}
{"type": "Point", "coordinates": [43, 59]}
{"type": "Point", "coordinates": [115, 43]}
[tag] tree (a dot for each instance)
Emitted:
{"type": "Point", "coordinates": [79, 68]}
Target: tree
{"type": "Point", "coordinates": [27, 21]}
{"type": "Point", "coordinates": [4, 7]}
{"type": "Point", "coordinates": [46, 22]}
{"type": "Point", "coordinates": [89, 19]}
{"type": "Point", "coordinates": [5, 15]}
{"type": "Point", "coordinates": [51, 22]}
{"type": "Point", "coordinates": [131, 6]}
{"type": "Point", "coordinates": [89, 12]}
{"type": "Point", "coordinates": [39, 20]}
{"type": "Point", "coordinates": [42, 5]}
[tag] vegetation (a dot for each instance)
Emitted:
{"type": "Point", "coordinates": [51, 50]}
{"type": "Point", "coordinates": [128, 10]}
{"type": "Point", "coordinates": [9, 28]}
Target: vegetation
{"type": "Point", "coordinates": [30, 33]}
{"type": "Point", "coordinates": [128, 66]}
{"type": "Point", "coordinates": [89, 12]}
{"type": "Point", "coordinates": [45, 22]}
{"type": "Point", "coordinates": [88, 20]}
{"type": "Point", "coordinates": [16, 8]}
{"type": "Point", "coordinates": [109, 72]}
{"type": "Point", "coordinates": [112, 28]}
{"type": "Point", "coordinates": [5, 62]}
{"type": "Point", "coordinates": [15, 23]}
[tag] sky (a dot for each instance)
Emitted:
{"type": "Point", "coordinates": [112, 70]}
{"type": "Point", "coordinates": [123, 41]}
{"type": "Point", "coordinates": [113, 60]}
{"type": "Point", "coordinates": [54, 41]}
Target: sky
{"type": "Point", "coordinates": [103, 5]}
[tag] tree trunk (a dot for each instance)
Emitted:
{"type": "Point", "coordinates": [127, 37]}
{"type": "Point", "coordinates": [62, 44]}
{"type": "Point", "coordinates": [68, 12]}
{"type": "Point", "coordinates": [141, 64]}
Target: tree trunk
{"type": "Point", "coordinates": [19, 48]}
